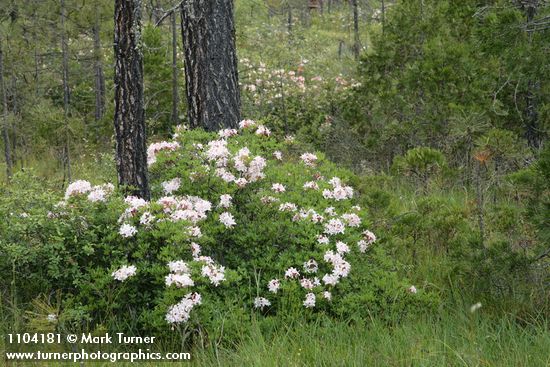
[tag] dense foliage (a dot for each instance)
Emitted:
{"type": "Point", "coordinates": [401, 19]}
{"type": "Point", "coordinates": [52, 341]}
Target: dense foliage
{"type": "Point", "coordinates": [435, 142]}
{"type": "Point", "coordinates": [238, 223]}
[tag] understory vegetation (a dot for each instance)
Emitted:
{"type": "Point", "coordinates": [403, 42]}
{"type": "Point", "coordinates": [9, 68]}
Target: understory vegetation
{"type": "Point", "coordinates": [388, 211]}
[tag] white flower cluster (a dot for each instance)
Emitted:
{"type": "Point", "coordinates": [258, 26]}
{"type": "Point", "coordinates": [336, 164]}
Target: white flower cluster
{"type": "Point", "coordinates": [227, 220]}
{"type": "Point", "coordinates": [215, 273]}
{"type": "Point", "coordinates": [127, 230]}
{"type": "Point", "coordinates": [311, 266]}
{"type": "Point", "coordinates": [172, 185]}
{"type": "Point", "coordinates": [334, 226]}
{"type": "Point", "coordinates": [247, 169]}
{"type": "Point", "coordinates": [189, 208]}
{"type": "Point", "coordinates": [340, 266]}
{"type": "Point", "coordinates": [254, 170]}
{"type": "Point", "coordinates": [97, 193]}
{"type": "Point", "coordinates": [260, 302]}
{"type": "Point", "coordinates": [338, 191]}
{"type": "Point", "coordinates": [179, 276]}
{"type": "Point", "coordinates": [180, 280]}
{"type": "Point", "coordinates": [217, 151]}
{"type": "Point", "coordinates": [246, 123]}
{"type": "Point", "coordinates": [155, 148]}
{"type": "Point", "coordinates": [124, 273]}
{"type": "Point", "coordinates": [288, 207]}
{"type": "Point", "coordinates": [368, 239]}
{"type": "Point", "coordinates": [227, 133]}
{"type": "Point", "coordinates": [225, 201]}
{"type": "Point", "coordinates": [351, 219]}
{"type": "Point", "coordinates": [273, 285]}
{"type": "Point", "coordinates": [312, 185]}
{"type": "Point", "coordinates": [180, 312]}
{"type": "Point", "coordinates": [77, 187]}
{"type": "Point", "coordinates": [309, 159]}
{"type": "Point", "coordinates": [263, 131]}
{"type": "Point", "coordinates": [277, 187]}
{"type": "Point", "coordinates": [310, 300]}
{"type": "Point", "coordinates": [292, 273]}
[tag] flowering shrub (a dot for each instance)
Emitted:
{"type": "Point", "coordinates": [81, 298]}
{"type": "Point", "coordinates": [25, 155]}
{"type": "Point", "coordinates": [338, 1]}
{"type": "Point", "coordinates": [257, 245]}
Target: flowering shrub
{"type": "Point", "coordinates": [295, 100]}
{"type": "Point", "coordinates": [238, 221]}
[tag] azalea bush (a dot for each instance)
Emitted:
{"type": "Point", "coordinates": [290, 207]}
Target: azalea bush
{"type": "Point", "coordinates": [240, 223]}
{"type": "Point", "coordinates": [295, 99]}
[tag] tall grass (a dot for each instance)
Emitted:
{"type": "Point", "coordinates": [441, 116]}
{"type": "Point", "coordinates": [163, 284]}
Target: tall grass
{"type": "Point", "coordinates": [452, 339]}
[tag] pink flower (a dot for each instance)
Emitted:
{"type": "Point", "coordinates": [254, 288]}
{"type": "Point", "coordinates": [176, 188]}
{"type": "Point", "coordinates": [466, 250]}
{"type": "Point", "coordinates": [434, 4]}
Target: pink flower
{"type": "Point", "coordinates": [292, 273]}
{"type": "Point", "coordinates": [310, 300]}
{"type": "Point", "coordinates": [227, 220]}
{"type": "Point", "coordinates": [274, 285]}
{"type": "Point", "coordinates": [277, 187]}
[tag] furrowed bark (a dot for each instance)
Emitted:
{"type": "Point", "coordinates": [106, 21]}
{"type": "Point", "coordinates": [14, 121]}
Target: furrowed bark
{"type": "Point", "coordinates": [130, 131]}
{"type": "Point", "coordinates": [211, 76]}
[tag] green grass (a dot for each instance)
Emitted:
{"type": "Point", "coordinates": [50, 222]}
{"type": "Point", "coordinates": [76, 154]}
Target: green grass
{"type": "Point", "coordinates": [459, 339]}
{"type": "Point", "coordinates": [446, 342]}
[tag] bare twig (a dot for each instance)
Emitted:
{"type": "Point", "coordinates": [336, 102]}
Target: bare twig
{"type": "Point", "coordinates": [168, 13]}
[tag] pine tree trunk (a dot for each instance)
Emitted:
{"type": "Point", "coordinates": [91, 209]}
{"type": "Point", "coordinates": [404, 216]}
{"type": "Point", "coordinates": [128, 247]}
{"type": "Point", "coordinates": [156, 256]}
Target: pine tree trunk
{"type": "Point", "coordinates": [5, 134]}
{"type": "Point", "coordinates": [131, 154]}
{"type": "Point", "coordinates": [175, 97]}
{"type": "Point", "coordinates": [15, 110]}
{"type": "Point", "coordinates": [211, 76]}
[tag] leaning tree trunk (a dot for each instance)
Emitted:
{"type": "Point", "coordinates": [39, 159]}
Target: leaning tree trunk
{"type": "Point", "coordinates": [5, 134]}
{"type": "Point", "coordinates": [131, 155]}
{"type": "Point", "coordinates": [211, 77]}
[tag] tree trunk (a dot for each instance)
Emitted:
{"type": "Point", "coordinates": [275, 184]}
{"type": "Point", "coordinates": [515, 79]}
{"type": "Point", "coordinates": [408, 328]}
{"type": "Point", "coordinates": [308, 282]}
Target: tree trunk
{"type": "Point", "coordinates": [156, 11]}
{"type": "Point", "coordinates": [99, 74]}
{"type": "Point", "coordinates": [131, 154]}
{"type": "Point", "coordinates": [15, 109]}
{"type": "Point", "coordinates": [211, 76]}
{"type": "Point", "coordinates": [175, 97]}
{"type": "Point", "coordinates": [5, 134]}
{"type": "Point", "coordinates": [289, 20]}
{"type": "Point", "coordinates": [356, 41]}
{"type": "Point", "coordinates": [66, 91]}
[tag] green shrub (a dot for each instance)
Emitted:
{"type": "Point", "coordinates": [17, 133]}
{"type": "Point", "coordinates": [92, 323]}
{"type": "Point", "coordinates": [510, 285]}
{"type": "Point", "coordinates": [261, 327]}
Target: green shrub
{"type": "Point", "coordinates": [421, 164]}
{"type": "Point", "coordinates": [258, 234]}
